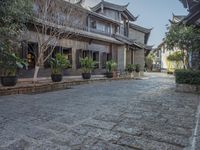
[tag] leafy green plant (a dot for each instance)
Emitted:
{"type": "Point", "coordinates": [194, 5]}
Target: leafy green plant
{"type": "Point", "coordinates": [14, 14]}
{"type": "Point", "coordinates": [9, 63]}
{"type": "Point", "coordinates": [185, 38]}
{"type": "Point", "coordinates": [149, 61]}
{"type": "Point", "coordinates": [137, 67]}
{"type": "Point", "coordinates": [59, 63]}
{"type": "Point", "coordinates": [111, 66]}
{"type": "Point", "coordinates": [87, 65]}
{"type": "Point", "coordinates": [187, 77]}
{"type": "Point", "coordinates": [130, 68]}
{"type": "Point", "coordinates": [176, 56]}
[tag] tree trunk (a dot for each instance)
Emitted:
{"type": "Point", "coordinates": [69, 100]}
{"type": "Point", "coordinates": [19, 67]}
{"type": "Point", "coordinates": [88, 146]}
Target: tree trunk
{"type": "Point", "coordinates": [35, 77]}
{"type": "Point", "coordinates": [187, 63]}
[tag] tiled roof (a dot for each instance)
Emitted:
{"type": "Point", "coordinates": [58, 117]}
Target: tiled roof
{"type": "Point", "coordinates": [143, 30]}
{"type": "Point", "coordinates": [132, 42]}
{"type": "Point", "coordinates": [121, 8]}
{"type": "Point", "coordinates": [123, 39]}
{"type": "Point", "coordinates": [103, 17]}
{"type": "Point", "coordinates": [140, 28]}
{"type": "Point", "coordinates": [179, 17]}
{"type": "Point", "coordinates": [109, 5]}
{"type": "Point", "coordinates": [176, 19]}
{"type": "Point", "coordinates": [78, 32]}
{"type": "Point", "coordinates": [79, 5]}
{"type": "Point", "coordinates": [193, 16]}
{"type": "Point", "coordinates": [189, 3]}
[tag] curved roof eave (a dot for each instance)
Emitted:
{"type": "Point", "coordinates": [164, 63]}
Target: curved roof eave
{"type": "Point", "coordinates": [121, 8]}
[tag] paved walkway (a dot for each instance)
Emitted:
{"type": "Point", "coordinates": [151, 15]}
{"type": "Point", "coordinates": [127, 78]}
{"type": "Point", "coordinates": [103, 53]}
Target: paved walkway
{"type": "Point", "coordinates": [118, 115]}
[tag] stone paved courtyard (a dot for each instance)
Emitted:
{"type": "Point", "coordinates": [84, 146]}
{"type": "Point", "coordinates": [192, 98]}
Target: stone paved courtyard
{"type": "Point", "coordinates": [119, 115]}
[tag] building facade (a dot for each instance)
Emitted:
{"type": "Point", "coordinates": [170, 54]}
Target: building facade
{"type": "Point", "coordinates": [193, 18]}
{"type": "Point", "coordinates": [161, 52]}
{"type": "Point", "coordinates": [161, 62]}
{"type": "Point", "coordinates": [104, 32]}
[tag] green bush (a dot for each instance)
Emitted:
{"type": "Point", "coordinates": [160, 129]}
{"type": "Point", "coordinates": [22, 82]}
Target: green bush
{"type": "Point", "coordinates": [87, 64]}
{"type": "Point", "coordinates": [187, 77]}
{"type": "Point", "coordinates": [59, 63]}
{"type": "Point", "coordinates": [111, 66]}
{"type": "Point", "coordinates": [130, 68]}
{"type": "Point", "coordinates": [137, 67]}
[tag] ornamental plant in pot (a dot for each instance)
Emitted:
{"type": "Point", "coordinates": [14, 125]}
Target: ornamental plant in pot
{"type": "Point", "coordinates": [130, 68]}
{"type": "Point", "coordinates": [137, 68]}
{"type": "Point", "coordinates": [111, 67]}
{"type": "Point", "coordinates": [57, 65]}
{"type": "Point", "coordinates": [9, 63]}
{"type": "Point", "coordinates": [87, 65]}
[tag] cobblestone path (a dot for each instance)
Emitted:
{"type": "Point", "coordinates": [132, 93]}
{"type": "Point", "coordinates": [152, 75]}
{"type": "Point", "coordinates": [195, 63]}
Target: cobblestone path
{"type": "Point", "coordinates": [119, 115]}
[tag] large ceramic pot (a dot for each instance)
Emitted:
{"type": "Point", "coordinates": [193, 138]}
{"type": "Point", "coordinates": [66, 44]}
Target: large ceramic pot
{"type": "Point", "coordinates": [9, 80]}
{"type": "Point", "coordinates": [56, 77]}
{"type": "Point", "coordinates": [109, 74]}
{"type": "Point", "coordinates": [86, 75]}
{"type": "Point", "coordinates": [137, 70]}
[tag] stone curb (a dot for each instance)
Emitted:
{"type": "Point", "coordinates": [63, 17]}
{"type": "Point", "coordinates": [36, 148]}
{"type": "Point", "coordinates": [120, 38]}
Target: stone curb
{"type": "Point", "coordinates": [187, 88]}
{"type": "Point", "coordinates": [52, 86]}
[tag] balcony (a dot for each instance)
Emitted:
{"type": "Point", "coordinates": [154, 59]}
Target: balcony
{"type": "Point", "coordinates": [100, 32]}
{"type": "Point", "coordinates": [89, 29]}
{"type": "Point", "coordinates": [124, 31]}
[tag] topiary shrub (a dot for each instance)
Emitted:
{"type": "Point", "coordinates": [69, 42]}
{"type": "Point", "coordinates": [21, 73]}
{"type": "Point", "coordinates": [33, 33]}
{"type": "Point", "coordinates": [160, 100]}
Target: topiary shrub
{"type": "Point", "coordinates": [187, 77]}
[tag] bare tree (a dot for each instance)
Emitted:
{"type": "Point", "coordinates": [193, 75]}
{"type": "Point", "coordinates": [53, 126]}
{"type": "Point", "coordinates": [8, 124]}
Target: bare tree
{"type": "Point", "coordinates": [53, 21]}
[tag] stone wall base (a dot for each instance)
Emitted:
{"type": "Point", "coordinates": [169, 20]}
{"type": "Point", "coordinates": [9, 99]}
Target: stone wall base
{"type": "Point", "coordinates": [51, 86]}
{"type": "Point", "coordinates": [188, 88]}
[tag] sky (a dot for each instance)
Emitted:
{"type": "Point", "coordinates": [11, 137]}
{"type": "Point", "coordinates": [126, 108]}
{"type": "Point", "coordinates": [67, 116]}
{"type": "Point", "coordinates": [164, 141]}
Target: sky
{"type": "Point", "coordinates": [152, 14]}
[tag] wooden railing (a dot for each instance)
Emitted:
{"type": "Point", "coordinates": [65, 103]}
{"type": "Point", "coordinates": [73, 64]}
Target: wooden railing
{"type": "Point", "coordinates": [79, 25]}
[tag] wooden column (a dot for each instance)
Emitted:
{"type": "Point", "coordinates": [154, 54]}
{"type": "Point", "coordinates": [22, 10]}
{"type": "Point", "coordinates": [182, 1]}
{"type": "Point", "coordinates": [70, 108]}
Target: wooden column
{"type": "Point", "coordinates": [88, 23]}
{"type": "Point", "coordinates": [74, 58]}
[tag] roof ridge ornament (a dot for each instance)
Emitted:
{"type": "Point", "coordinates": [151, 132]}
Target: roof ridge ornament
{"type": "Point", "coordinates": [127, 5]}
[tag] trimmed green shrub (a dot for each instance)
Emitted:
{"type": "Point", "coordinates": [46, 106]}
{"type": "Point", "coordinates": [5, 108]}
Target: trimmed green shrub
{"type": "Point", "coordinates": [187, 77]}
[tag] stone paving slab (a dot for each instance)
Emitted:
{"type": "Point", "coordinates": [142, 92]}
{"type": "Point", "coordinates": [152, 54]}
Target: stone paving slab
{"type": "Point", "coordinates": [118, 115]}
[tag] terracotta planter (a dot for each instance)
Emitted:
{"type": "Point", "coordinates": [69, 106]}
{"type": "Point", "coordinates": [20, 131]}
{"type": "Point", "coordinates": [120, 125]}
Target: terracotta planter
{"type": "Point", "coordinates": [86, 75]}
{"type": "Point", "coordinates": [9, 81]}
{"type": "Point", "coordinates": [56, 77]}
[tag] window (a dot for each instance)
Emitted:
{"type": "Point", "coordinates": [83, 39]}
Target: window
{"type": "Point", "coordinates": [93, 24]}
{"type": "Point", "coordinates": [103, 60]}
{"type": "Point", "coordinates": [32, 52]}
{"type": "Point", "coordinates": [57, 49]}
{"type": "Point", "coordinates": [67, 52]}
{"type": "Point", "coordinates": [96, 59]}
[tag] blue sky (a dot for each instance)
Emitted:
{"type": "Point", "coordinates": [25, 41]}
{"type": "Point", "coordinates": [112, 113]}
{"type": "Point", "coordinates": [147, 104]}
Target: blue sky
{"type": "Point", "coordinates": [152, 14]}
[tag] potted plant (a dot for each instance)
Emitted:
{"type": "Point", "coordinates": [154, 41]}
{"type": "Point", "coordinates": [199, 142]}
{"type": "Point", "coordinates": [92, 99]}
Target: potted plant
{"type": "Point", "coordinates": [9, 63]}
{"type": "Point", "coordinates": [57, 65]}
{"type": "Point", "coordinates": [130, 68]}
{"type": "Point", "coordinates": [87, 65]}
{"type": "Point", "coordinates": [111, 67]}
{"type": "Point", "coordinates": [137, 68]}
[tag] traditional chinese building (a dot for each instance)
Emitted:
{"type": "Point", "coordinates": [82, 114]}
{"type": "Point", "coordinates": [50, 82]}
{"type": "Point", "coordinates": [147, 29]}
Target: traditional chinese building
{"type": "Point", "coordinates": [107, 31]}
{"type": "Point", "coordinates": [193, 18]}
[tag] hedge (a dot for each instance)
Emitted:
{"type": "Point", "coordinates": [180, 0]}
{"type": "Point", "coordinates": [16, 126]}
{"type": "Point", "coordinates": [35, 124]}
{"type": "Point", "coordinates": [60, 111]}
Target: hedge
{"type": "Point", "coordinates": [187, 77]}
